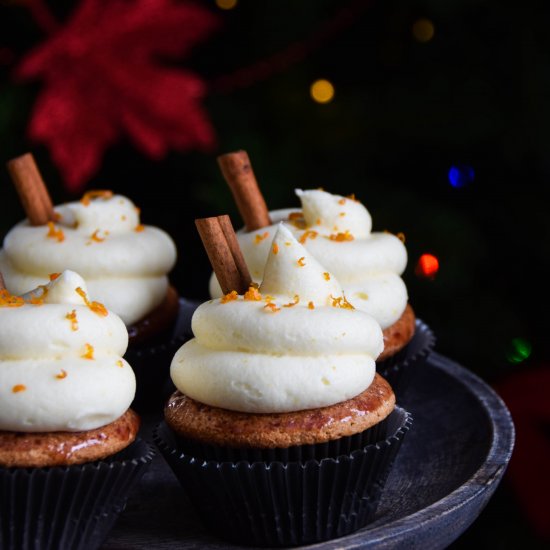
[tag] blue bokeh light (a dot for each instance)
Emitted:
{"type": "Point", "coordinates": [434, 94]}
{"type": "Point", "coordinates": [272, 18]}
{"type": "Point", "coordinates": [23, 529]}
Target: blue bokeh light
{"type": "Point", "coordinates": [461, 175]}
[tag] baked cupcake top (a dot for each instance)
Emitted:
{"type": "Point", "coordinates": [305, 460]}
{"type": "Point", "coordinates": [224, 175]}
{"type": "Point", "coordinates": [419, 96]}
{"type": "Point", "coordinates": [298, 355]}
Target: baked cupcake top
{"type": "Point", "coordinates": [61, 365]}
{"type": "Point", "coordinates": [124, 263]}
{"type": "Point", "coordinates": [336, 230]}
{"type": "Point", "coordinates": [294, 343]}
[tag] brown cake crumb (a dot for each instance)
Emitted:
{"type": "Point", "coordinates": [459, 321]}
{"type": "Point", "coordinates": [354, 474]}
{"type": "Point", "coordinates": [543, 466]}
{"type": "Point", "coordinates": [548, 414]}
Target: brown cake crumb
{"type": "Point", "coordinates": [218, 426]}
{"type": "Point", "coordinates": [398, 335]}
{"type": "Point", "coordinates": [40, 450]}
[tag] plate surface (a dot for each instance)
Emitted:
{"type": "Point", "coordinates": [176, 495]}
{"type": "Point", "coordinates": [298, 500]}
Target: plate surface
{"type": "Point", "coordinates": [447, 469]}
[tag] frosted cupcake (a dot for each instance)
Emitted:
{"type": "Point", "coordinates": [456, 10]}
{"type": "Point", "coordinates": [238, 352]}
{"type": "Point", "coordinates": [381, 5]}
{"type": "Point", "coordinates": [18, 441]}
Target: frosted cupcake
{"type": "Point", "coordinates": [125, 263]}
{"type": "Point", "coordinates": [337, 230]}
{"type": "Point", "coordinates": [68, 446]}
{"type": "Point", "coordinates": [277, 394]}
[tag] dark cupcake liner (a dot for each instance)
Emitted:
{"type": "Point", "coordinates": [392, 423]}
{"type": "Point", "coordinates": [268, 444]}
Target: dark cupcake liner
{"type": "Point", "coordinates": [399, 369]}
{"type": "Point", "coordinates": [288, 502]}
{"type": "Point", "coordinates": [151, 362]}
{"type": "Point", "coordinates": [72, 507]}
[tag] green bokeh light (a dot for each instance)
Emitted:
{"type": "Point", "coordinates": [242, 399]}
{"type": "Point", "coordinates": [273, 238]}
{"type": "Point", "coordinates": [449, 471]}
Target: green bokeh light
{"type": "Point", "coordinates": [518, 351]}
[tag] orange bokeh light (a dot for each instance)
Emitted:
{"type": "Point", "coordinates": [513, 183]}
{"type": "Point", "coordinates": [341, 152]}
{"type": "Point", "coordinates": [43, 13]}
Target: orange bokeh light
{"type": "Point", "coordinates": [427, 266]}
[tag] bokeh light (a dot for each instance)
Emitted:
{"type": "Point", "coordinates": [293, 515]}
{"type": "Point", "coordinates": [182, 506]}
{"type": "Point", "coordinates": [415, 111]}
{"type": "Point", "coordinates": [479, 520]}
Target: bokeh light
{"type": "Point", "coordinates": [519, 350]}
{"type": "Point", "coordinates": [423, 30]}
{"type": "Point", "coordinates": [427, 266]}
{"type": "Point", "coordinates": [322, 91]}
{"type": "Point", "coordinates": [226, 4]}
{"type": "Point", "coordinates": [461, 175]}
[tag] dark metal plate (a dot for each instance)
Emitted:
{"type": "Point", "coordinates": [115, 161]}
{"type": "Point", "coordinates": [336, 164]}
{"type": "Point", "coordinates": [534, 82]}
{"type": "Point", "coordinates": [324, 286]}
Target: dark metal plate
{"type": "Point", "coordinates": [448, 468]}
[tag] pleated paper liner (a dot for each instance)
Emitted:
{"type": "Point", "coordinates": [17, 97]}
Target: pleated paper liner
{"type": "Point", "coordinates": [151, 362]}
{"type": "Point", "coordinates": [400, 369]}
{"type": "Point", "coordinates": [72, 507]}
{"type": "Point", "coordinates": [290, 497]}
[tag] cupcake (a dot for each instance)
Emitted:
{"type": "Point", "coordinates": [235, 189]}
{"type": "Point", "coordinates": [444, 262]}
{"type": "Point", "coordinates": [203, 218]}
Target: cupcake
{"type": "Point", "coordinates": [337, 231]}
{"type": "Point", "coordinates": [69, 454]}
{"type": "Point", "coordinates": [125, 264]}
{"type": "Point", "coordinates": [281, 431]}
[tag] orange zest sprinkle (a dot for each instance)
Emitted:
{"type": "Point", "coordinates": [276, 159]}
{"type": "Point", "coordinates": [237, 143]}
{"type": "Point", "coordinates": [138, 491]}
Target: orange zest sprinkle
{"type": "Point", "coordinates": [341, 237]}
{"type": "Point", "coordinates": [310, 305]}
{"type": "Point", "coordinates": [18, 387]}
{"type": "Point", "coordinates": [401, 236]}
{"type": "Point", "coordinates": [99, 309]}
{"type": "Point", "coordinates": [342, 214]}
{"type": "Point", "coordinates": [61, 375]}
{"type": "Point", "coordinates": [123, 218]}
{"type": "Point", "coordinates": [341, 302]}
{"type": "Point", "coordinates": [95, 194]}
{"type": "Point", "coordinates": [288, 243]}
{"type": "Point", "coordinates": [301, 261]}
{"type": "Point", "coordinates": [229, 297]}
{"type": "Point", "coordinates": [95, 236]}
{"type": "Point", "coordinates": [96, 307]}
{"type": "Point", "coordinates": [137, 209]}
{"type": "Point", "coordinates": [297, 220]}
{"type": "Point", "coordinates": [318, 221]}
{"type": "Point", "coordinates": [72, 318]}
{"type": "Point", "coordinates": [89, 353]}
{"type": "Point", "coordinates": [9, 300]}
{"type": "Point", "coordinates": [57, 217]}
{"type": "Point", "coordinates": [275, 248]}
{"type": "Point", "coordinates": [54, 233]}
{"type": "Point", "coordinates": [342, 201]}
{"type": "Point", "coordinates": [252, 294]}
{"type": "Point", "coordinates": [326, 275]}
{"type": "Point", "coordinates": [292, 304]}
{"type": "Point", "coordinates": [259, 238]}
{"type": "Point", "coordinates": [268, 298]}
{"type": "Point", "coordinates": [139, 228]}
{"type": "Point", "coordinates": [54, 276]}
{"type": "Point", "coordinates": [352, 197]}
{"type": "Point", "coordinates": [120, 363]}
{"type": "Point", "coordinates": [309, 234]}
{"type": "Point", "coordinates": [37, 300]}
{"type": "Point", "coordinates": [272, 307]}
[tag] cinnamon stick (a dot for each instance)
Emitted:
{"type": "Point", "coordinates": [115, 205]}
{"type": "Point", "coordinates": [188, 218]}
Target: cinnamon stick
{"type": "Point", "coordinates": [31, 188]}
{"type": "Point", "coordinates": [238, 174]}
{"type": "Point", "coordinates": [224, 253]}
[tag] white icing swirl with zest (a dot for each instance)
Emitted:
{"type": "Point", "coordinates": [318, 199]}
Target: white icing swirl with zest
{"type": "Point", "coordinates": [337, 231]}
{"type": "Point", "coordinates": [124, 263]}
{"type": "Point", "coordinates": [300, 346]}
{"type": "Point", "coordinates": [61, 365]}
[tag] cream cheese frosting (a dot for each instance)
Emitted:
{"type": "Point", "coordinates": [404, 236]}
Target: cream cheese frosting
{"type": "Point", "coordinates": [124, 263]}
{"type": "Point", "coordinates": [61, 365]}
{"type": "Point", "coordinates": [295, 343]}
{"type": "Point", "coordinates": [337, 231]}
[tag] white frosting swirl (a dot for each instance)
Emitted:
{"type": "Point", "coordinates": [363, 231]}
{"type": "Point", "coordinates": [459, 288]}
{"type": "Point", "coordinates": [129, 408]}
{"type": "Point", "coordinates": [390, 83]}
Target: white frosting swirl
{"type": "Point", "coordinates": [368, 265]}
{"type": "Point", "coordinates": [61, 365]}
{"type": "Point", "coordinates": [124, 263]}
{"type": "Point", "coordinates": [294, 349]}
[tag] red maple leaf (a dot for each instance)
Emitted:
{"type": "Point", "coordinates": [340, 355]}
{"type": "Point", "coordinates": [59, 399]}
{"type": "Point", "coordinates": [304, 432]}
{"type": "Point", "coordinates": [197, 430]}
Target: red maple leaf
{"type": "Point", "coordinates": [106, 75]}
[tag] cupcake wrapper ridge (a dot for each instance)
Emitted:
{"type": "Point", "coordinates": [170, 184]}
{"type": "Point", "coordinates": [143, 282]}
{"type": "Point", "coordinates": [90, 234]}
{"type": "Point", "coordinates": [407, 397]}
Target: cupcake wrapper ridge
{"type": "Point", "coordinates": [400, 368]}
{"type": "Point", "coordinates": [68, 507]}
{"type": "Point", "coordinates": [288, 502]}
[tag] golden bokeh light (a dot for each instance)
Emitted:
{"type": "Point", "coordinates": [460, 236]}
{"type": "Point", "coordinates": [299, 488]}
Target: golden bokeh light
{"type": "Point", "coordinates": [322, 91]}
{"type": "Point", "coordinates": [226, 4]}
{"type": "Point", "coordinates": [423, 30]}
